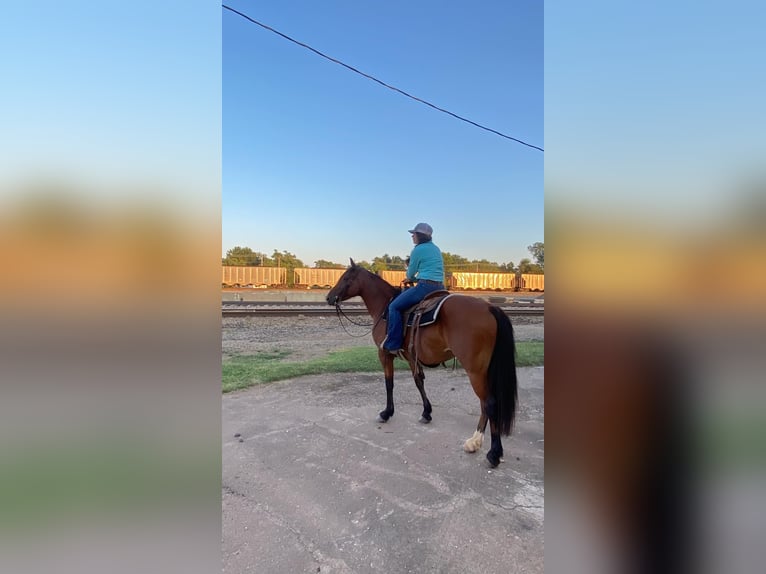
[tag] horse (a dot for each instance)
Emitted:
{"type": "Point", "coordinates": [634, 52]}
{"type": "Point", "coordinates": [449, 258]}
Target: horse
{"type": "Point", "coordinates": [478, 334]}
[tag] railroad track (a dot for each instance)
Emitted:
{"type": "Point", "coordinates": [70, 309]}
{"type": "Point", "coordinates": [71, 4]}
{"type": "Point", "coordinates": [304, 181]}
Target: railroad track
{"type": "Point", "coordinates": [318, 309]}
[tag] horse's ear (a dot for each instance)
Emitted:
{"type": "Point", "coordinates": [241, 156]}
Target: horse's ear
{"type": "Point", "coordinates": [352, 262]}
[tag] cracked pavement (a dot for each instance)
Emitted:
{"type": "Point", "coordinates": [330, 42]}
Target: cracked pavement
{"type": "Point", "coordinates": [311, 483]}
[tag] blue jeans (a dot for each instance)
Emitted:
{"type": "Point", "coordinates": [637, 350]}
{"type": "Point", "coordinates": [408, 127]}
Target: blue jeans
{"type": "Point", "coordinates": [402, 302]}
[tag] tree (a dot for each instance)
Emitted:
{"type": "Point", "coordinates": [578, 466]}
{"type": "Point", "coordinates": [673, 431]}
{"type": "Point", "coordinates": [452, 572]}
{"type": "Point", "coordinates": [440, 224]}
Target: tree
{"type": "Point", "coordinates": [244, 256]}
{"type": "Point", "coordinates": [538, 252]}
{"type": "Point", "coordinates": [508, 267]}
{"type": "Point", "coordinates": [454, 263]}
{"type": "Point", "coordinates": [324, 264]}
{"type": "Point", "coordinates": [484, 266]}
{"type": "Point", "coordinates": [388, 262]}
{"type": "Point", "coordinates": [398, 263]}
{"type": "Point", "coordinates": [526, 266]}
{"type": "Point", "coordinates": [366, 264]}
{"type": "Point", "coordinates": [289, 261]}
{"type": "Point", "coordinates": [286, 259]}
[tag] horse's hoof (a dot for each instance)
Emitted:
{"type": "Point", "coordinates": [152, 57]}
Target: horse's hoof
{"type": "Point", "coordinates": [380, 418]}
{"type": "Point", "coordinates": [493, 459]}
{"type": "Point", "coordinates": [474, 443]}
{"type": "Point", "coordinates": [424, 420]}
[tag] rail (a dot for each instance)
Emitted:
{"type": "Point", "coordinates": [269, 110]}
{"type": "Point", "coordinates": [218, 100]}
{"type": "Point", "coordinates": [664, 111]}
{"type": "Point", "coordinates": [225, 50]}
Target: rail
{"type": "Point", "coordinates": [317, 309]}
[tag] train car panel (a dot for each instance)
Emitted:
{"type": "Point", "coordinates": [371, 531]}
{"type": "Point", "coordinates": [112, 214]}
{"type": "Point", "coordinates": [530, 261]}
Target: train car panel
{"type": "Point", "coordinates": [235, 276]}
{"type": "Point", "coordinates": [533, 281]}
{"type": "Point", "coordinates": [310, 277]}
{"type": "Point", "coordinates": [394, 278]}
{"type": "Point", "coordinates": [482, 281]}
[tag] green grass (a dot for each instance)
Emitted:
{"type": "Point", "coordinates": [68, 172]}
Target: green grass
{"type": "Point", "coordinates": [242, 371]}
{"type": "Point", "coordinates": [530, 353]}
{"type": "Point", "coordinates": [52, 480]}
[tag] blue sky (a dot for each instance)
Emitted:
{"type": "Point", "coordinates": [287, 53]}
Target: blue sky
{"type": "Point", "coordinates": [653, 109]}
{"type": "Point", "coordinates": [326, 164]}
{"type": "Point", "coordinates": [117, 96]}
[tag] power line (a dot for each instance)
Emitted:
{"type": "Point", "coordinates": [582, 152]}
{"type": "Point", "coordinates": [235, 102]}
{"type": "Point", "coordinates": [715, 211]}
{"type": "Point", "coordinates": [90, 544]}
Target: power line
{"type": "Point", "coordinates": [286, 37]}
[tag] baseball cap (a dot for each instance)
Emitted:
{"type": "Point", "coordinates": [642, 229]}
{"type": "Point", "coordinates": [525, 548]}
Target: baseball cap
{"type": "Point", "coordinates": [423, 228]}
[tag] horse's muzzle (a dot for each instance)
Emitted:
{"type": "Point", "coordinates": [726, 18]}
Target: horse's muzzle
{"type": "Point", "coordinates": [332, 300]}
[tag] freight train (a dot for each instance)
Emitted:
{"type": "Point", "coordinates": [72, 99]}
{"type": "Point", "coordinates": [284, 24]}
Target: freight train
{"type": "Point", "coordinates": [308, 278]}
{"type": "Point", "coordinates": [254, 276]}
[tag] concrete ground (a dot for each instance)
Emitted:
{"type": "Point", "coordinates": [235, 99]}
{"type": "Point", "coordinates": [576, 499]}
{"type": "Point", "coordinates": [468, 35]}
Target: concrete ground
{"type": "Point", "coordinates": [314, 484]}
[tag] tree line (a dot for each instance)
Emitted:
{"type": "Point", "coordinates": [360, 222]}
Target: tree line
{"type": "Point", "coordinates": [246, 257]}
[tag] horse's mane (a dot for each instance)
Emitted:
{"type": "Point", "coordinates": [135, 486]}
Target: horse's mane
{"type": "Point", "coordinates": [375, 276]}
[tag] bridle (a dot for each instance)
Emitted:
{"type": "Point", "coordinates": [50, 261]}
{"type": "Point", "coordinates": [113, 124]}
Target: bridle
{"type": "Point", "coordinates": [339, 311]}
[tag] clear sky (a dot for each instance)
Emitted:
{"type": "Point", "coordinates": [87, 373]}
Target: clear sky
{"type": "Point", "coordinates": [123, 98]}
{"type": "Point", "coordinates": [655, 108]}
{"type": "Point", "coordinates": [327, 164]}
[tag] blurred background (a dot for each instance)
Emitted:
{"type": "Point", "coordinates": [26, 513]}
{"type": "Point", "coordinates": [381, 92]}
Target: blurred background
{"type": "Point", "coordinates": [656, 224]}
{"type": "Point", "coordinates": [109, 253]}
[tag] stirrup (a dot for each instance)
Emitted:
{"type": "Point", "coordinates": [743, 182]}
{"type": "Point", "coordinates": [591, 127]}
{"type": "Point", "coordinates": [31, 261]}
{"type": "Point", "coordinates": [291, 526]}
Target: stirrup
{"type": "Point", "coordinates": [397, 352]}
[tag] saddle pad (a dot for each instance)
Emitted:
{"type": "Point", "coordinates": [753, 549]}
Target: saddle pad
{"type": "Point", "coordinates": [429, 316]}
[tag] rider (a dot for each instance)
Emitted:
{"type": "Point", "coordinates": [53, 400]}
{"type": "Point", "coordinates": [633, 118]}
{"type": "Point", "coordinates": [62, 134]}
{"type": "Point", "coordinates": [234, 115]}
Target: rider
{"type": "Point", "coordinates": [426, 269]}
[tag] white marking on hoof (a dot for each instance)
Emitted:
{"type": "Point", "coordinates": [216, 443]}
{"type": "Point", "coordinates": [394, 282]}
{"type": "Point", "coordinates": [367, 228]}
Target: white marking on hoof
{"type": "Point", "coordinates": [474, 443]}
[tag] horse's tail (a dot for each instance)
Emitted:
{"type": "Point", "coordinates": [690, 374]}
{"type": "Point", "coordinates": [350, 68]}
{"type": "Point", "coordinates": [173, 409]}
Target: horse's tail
{"type": "Point", "coordinates": [501, 375]}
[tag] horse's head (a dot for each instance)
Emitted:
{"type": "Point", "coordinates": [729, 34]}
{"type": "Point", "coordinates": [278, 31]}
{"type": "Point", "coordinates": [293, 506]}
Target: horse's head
{"type": "Point", "coordinates": [347, 286]}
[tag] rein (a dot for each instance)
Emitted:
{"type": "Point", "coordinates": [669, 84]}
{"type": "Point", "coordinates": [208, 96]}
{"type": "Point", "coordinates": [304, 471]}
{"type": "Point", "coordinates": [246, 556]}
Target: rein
{"type": "Point", "coordinates": [339, 312]}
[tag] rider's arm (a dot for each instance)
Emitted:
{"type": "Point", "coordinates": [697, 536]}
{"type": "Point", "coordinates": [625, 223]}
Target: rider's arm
{"type": "Point", "coordinates": [412, 268]}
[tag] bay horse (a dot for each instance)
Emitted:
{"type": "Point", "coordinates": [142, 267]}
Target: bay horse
{"type": "Point", "coordinates": [478, 334]}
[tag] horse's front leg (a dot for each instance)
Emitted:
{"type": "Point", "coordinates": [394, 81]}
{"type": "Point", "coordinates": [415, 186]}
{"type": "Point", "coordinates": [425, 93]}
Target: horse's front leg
{"type": "Point", "coordinates": [387, 360]}
{"type": "Point", "coordinates": [420, 380]}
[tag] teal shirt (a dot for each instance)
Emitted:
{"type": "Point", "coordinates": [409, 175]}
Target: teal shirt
{"type": "Point", "coordinates": [426, 263]}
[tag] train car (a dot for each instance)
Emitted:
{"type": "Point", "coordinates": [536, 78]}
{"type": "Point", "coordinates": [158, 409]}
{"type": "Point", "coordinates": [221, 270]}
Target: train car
{"type": "Point", "coordinates": [253, 276]}
{"type": "Point", "coordinates": [532, 282]}
{"type": "Point", "coordinates": [466, 281]}
{"type": "Point", "coordinates": [309, 277]}
{"type": "Point", "coordinates": [394, 278]}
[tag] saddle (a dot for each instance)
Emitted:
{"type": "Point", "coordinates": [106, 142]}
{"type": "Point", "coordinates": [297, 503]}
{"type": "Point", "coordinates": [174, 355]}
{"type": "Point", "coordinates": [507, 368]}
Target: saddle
{"type": "Point", "coordinates": [424, 313]}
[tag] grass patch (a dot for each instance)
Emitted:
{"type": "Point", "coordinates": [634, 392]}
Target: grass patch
{"type": "Point", "coordinates": [54, 480]}
{"type": "Point", "coordinates": [530, 353]}
{"type": "Point", "coordinates": [245, 370]}
{"type": "Point", "coordinates": [242, 371]}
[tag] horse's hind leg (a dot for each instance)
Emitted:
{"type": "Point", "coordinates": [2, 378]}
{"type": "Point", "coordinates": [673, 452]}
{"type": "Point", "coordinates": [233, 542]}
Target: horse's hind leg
{"type": "Point", "coordinates": [496, 450]}
{"type": "Point", "coordinates": [420, 380]}
{"type": "Point", "coordinates": [474, 443]}
{"type": "Point", "coordinates": [478, 382]}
